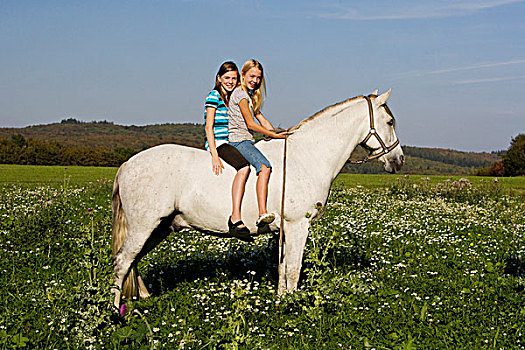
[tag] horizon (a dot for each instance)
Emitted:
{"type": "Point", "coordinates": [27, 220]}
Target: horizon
{"type": "Point", "coordinates": [456, 68]}
{"type": "Point", "coordinates": [193, 123]}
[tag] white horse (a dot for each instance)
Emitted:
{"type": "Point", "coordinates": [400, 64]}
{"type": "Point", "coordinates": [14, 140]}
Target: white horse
{"type": "Point", "coordinates": [170, 187]}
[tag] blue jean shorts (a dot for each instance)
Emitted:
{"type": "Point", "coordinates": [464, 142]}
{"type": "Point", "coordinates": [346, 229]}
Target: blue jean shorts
{"type": "Point", "coordinates": [252, 154]}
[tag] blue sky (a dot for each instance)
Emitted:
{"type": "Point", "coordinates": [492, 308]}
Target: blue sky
{"type": "Point", "coordinates": [456, 68]}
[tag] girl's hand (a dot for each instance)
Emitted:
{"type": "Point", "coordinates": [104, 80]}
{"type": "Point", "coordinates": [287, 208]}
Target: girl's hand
{"type": "Point", "coordinates": [281, 135]}
{"type": "Point", "coordinates": [216, 165]}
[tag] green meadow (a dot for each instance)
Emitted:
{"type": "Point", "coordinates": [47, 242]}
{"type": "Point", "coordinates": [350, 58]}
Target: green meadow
{"type": "Point", "coordinates": [511, 184]}
{"type": "Point", "coordinates": [78, 175]}
{"type": "Point", "coordinates": [395, 263]}
{"type": "Point", "coordinates": [53, 175]}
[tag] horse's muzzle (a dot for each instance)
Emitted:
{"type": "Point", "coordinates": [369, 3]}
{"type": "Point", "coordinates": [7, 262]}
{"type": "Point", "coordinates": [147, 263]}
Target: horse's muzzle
{"type": "Point", "coordinates": [395, 164]}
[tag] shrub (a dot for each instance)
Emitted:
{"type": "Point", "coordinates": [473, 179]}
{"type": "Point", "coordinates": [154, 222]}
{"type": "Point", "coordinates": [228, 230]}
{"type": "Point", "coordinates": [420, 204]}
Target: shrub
{"type": "Point", "coordinates": [514, 159]}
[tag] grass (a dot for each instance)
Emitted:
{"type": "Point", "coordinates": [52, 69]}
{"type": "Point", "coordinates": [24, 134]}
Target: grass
{"type": "Point", "coordinates": [53, 175]}
{"type": "Point", "coordinates": [516, 184]}
{"type": "Point", "coordinates": [406, 265]}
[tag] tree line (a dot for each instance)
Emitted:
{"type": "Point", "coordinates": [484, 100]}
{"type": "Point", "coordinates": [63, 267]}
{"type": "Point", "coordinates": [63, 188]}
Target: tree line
{"type": "Point", "coordinates": [19, 150]}
{"type": "Point", "coordinates": [74, 133]}
{"type": "Point", "coordinates": [447, 156]}
{"type": "Point", "coordinates": [512, 161]}
{"type": "Point", "coordinates": [74, 142]}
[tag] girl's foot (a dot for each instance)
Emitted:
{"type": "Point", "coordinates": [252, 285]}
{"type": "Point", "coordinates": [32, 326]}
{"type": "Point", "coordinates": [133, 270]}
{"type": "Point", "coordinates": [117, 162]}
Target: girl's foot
{"type": "Point", "coordinates": [241, 233]}
{"type": "Point", "coordinates": [238, 222]}
{"type": "Point", "coordinates": [265, 219]}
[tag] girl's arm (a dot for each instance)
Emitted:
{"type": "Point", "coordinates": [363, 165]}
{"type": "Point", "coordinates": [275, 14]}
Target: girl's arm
{"type": "Point", "coordinates": [264, 122]}
{"type": "Point", "coordinates": [265, 128]}
{"type": "Point", "coordinates": [215, 160]}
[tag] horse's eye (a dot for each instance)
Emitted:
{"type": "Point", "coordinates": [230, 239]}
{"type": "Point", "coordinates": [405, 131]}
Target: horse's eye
{"type": "Point", "coordinates": [390, 122]}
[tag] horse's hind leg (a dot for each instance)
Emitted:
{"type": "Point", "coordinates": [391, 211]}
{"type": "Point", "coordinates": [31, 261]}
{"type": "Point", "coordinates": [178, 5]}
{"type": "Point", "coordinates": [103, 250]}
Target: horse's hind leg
{"type": "Point", "coordinates": [127, 242]}
{"type": "Point", "coordinates": [125, 266]}
{"type": "Point", "coordinates": [135, 247]}
{"type": "Point", "coordinates": [162, 231]}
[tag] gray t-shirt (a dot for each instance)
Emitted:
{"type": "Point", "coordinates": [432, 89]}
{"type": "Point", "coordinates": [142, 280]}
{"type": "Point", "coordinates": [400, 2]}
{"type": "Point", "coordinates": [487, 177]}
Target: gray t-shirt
{"type": "Point", "coordinates": [237, 129]}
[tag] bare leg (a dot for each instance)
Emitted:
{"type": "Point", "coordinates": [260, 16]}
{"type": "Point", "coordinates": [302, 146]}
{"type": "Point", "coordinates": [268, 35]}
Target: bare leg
{"type": "Point", "coordinates": [238, 186]}
{"type": "Point", "coordinates": [262, 188]}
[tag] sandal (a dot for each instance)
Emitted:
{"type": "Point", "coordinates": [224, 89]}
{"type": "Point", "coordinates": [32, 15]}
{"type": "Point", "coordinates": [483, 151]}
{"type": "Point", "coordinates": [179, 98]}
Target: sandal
{"type": "Point", "coordinates": [242, 233]}
{"type": "Point", "coordinates": [265, 219]}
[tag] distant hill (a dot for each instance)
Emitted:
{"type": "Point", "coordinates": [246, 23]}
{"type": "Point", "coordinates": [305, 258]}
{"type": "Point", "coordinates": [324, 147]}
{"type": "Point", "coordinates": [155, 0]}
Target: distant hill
{"type": "Point", "coordinates": [109, 139]}
{"type": "Point", "coordinates": [430, 161]}
{"type": "Point", "coordinates": [107, 135]}
{"type": "Point", "coordinates": [447, 156]}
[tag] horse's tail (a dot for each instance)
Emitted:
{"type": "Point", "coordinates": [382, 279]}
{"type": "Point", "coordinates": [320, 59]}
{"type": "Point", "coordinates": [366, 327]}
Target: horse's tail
{"type": "Point", "coordinates": [132, 286]}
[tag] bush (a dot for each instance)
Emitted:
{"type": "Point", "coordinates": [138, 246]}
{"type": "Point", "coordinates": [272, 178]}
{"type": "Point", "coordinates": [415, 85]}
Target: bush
{"type": "Point", "coordinates": [514, 159]}
{"type": "Point", "coordinates": [497, 169]}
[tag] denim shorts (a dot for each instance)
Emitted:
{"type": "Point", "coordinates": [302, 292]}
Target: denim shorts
{"type": "Point", "coordinates": [252, 154]}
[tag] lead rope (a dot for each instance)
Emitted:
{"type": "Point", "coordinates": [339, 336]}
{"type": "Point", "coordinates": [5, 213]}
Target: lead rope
{"type": "Point", "coordinates": [281, 232]}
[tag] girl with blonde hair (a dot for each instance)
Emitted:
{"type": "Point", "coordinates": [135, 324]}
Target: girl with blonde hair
{"type": "Point", "coordinates": [244, 107]}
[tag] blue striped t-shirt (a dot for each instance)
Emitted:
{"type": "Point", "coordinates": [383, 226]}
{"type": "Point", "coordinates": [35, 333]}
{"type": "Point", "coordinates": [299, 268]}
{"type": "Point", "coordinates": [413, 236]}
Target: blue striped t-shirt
{"type": "Point", "coordinates": [220, 125]}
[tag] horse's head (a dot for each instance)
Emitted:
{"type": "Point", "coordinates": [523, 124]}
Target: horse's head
{"type": "Point", "coordinates": [381, 139]}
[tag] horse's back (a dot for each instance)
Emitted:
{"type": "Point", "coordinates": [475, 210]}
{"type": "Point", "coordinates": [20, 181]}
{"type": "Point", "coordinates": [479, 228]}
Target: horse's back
{"type": "Point", "coordinates": [160, 180]}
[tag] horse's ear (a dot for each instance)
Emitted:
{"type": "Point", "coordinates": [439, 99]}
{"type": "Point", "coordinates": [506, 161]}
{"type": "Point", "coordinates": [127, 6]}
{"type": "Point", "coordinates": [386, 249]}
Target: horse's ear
{"type": "Point", "coordinates": [381, 100]}
{"type": "Point", "coordinates": [376, 91]}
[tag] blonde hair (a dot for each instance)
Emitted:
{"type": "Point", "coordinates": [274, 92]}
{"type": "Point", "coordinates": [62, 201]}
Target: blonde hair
{"type": "Point", "coordinates": [259, 93]}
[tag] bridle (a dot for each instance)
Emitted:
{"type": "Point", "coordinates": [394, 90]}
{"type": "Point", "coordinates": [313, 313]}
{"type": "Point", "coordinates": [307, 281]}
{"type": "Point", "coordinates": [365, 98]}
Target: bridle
{"type": "Point", "coordinates": [373, 132]}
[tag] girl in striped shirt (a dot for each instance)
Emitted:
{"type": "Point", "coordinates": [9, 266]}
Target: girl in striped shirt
{"type": "Point", "coordinates": [216, 115]}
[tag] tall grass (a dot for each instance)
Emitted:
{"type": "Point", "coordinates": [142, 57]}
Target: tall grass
{"type": "Point", "coordinates": [433, 266]}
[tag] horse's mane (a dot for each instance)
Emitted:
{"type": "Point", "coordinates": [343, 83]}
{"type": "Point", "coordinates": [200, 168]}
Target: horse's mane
{"type": "Point", "coordinates": [309, 119]}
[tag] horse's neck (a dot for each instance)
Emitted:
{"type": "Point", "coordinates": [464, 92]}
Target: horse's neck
{"type": "Point", "coordinates": [325, 143]}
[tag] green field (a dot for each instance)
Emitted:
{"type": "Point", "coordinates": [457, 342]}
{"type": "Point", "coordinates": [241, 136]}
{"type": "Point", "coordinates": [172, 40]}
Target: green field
{"type": "Point", "coordinates": [393, 264]}
{"type": "Point", "coordinates": [56, 175]}
{"type": "Point", "coordinates": [53, 175]}
{"type": "Point", "coordinates": [513, 184]}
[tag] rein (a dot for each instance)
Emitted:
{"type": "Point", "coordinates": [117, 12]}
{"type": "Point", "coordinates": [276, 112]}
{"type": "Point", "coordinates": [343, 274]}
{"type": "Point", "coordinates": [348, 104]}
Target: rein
{"type": "Point", "coordinates": [372, 132]}
{"type": "Point", "coordinates": [281, 228]}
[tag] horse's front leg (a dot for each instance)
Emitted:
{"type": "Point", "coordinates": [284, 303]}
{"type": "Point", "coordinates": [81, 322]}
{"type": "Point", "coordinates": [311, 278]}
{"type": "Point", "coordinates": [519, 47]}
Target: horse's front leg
{"type": "Point", "coordinates": [281, 288]}
{"type": "Point", "coordinates": [295, 240]}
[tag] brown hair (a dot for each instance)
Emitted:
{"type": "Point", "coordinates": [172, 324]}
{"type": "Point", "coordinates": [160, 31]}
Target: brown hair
{"type": "Point", "coordinates": [260, 92]}
{"type": "Point", "coordinates": [226, 67]}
